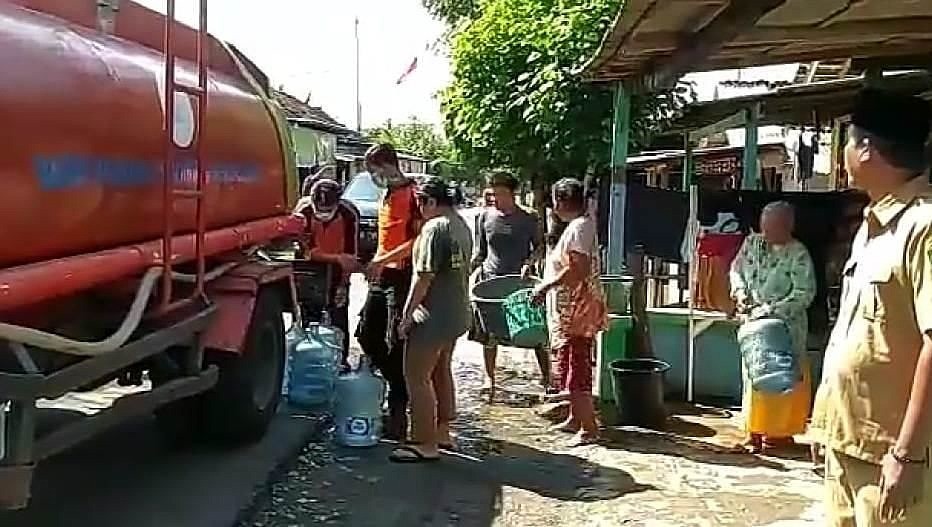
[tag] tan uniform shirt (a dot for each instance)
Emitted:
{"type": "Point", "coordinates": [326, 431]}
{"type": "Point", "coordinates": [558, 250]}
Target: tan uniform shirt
{"type": "Point", "coordinates": [886, 308]}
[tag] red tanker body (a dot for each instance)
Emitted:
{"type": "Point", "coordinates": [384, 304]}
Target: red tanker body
{"type": "Point", "coordinates": [81, 158]}
{"type": "Point", "coordinates": [88, 211]}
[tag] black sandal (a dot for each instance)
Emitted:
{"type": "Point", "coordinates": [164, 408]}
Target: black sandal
{"type": "Point", "coordinates": [399, 455]}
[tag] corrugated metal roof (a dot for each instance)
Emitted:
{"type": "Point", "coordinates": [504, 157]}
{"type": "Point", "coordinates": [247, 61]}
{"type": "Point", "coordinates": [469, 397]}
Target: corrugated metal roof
{"type": "Point", "coordinates": [311, 116]}
{"type": "Point", "coordinates": [798, 104]}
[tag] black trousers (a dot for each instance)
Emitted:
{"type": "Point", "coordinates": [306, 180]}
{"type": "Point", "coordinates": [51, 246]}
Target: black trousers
{"type": "Point", "coordinates": [377, 331]}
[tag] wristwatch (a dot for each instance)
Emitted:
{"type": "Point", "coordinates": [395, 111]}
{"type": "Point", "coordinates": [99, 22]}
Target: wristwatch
{"type": "Point", "coordinates": [901, 457]}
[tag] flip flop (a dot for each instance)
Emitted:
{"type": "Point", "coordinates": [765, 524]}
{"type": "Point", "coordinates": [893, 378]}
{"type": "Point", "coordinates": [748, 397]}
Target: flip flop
{"type": "Point", "coordinates": [557, 397]}
{"type": "Point", "coordinates": [584, 440]}
{"type": "Point", "coordinates": [401, 455]}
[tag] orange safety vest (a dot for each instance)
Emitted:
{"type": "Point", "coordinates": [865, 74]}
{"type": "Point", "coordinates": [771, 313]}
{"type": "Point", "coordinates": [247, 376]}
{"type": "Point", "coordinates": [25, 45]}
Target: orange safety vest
{"type": "Point", "coordinates": [398, 216]}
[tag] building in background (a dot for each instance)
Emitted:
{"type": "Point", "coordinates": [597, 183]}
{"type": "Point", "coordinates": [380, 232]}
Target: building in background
{"type": "Point", "coordinates": [314, 132]}
{"type": "Point", "coordinates": [351, 151]}
{"type": "Point", "coordinates": [321, 140]}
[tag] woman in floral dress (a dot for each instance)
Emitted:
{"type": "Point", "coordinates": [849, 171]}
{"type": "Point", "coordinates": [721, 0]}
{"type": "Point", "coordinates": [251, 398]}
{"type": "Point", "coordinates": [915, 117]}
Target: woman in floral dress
{"type": "Point", "coordinates": [576, 310]}
{"type": "Point", "coordinates": [772, 277]}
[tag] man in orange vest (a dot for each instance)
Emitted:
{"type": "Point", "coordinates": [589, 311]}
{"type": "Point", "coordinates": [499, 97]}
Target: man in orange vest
{"type": "Point", "coordinates": [389, 276]}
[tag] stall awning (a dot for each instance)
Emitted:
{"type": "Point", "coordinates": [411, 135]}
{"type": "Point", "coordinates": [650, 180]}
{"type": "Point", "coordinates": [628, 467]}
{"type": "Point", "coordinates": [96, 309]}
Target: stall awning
{"type": "Point", "coordinates": [804, 104]}
{"type": "Point", "coordinates": [652, 42]}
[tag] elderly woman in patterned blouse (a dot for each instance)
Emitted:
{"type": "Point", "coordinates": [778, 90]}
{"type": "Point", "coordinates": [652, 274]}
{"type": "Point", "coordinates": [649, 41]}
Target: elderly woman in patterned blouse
{"type": "Point", "coordinates": [772, 276]}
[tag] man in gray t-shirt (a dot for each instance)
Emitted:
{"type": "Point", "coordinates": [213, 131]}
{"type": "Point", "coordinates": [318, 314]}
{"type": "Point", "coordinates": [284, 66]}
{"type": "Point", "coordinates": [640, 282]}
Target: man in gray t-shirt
{"type": "Point", "coordinates": [508, 241]}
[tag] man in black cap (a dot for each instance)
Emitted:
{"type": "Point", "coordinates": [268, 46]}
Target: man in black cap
{"type": "Point", "coordinates": [874, 407]}
{"type": "Point", "coordinates": [435, 315]}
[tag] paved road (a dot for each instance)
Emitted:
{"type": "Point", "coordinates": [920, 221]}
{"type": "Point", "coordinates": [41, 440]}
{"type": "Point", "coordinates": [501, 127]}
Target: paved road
{"type": "Point", "coordinates": [129, 477]}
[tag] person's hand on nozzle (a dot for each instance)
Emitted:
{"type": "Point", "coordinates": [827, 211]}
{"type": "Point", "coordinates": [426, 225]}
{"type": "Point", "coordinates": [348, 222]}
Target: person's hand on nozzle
{"type": "Point", "coordinates": [374, 271]}
{"type": "Point", "coordinates": [348, 263]}
{"type": "Point", "coordinates": [405, 326]}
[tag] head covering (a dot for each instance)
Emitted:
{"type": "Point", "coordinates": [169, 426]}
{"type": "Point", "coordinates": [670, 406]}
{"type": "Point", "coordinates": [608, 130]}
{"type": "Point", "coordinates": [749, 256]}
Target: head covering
{"type": "Point", "coordinates": [892, 116]}
{"type": "Point", "coordinates": [434, 187]}
{"type": "Point", "coordinates": [569, 189]}
{"type": "Point", "coordinates": [325, 194]}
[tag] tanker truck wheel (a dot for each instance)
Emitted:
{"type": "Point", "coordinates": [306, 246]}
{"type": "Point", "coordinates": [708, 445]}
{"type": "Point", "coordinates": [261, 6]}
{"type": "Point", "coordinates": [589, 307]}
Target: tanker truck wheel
{"type": "Point", "coordinates": [241, 406]}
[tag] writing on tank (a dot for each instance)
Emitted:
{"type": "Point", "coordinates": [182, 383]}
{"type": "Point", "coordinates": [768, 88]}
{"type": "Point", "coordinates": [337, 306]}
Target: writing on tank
{"type": "Point", "coordinates": [71, 171]}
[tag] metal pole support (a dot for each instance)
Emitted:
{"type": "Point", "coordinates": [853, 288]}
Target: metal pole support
{"type": "Point", "coordinates": [621, 129]}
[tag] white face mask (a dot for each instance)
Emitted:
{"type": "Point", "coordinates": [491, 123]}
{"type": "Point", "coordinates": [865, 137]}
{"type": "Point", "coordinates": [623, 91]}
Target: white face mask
{"type": "Point", "coordinates": [325, 216]}
{"type": "Point", "coordinates": [379, 181]}
{"type": "Point", "coordinates": [384, 178]}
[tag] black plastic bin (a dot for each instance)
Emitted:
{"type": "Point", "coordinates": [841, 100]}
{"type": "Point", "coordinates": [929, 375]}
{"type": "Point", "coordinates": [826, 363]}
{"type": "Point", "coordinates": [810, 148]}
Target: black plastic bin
{"type": "Point", "coordinates": [637, 385]}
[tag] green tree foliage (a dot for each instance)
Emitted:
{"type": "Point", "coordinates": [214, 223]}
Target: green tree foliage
{"type": "Point", "coordinates": [425, 140]}
{"type": "Point", "coordinates": [414, 137]}
{"type": "Point", "coordinates": [516, 99]}
{"type": "Point", "coordinates": [454, 11]}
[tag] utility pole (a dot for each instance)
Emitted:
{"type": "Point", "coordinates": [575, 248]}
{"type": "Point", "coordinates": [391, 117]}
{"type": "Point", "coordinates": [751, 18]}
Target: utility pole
{"type": "Point", "coordinates": [358, 104]}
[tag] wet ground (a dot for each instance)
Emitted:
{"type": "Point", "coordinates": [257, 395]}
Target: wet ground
{"type": "Point", "coordinates": [509, 471]}
{"type": "Point", "coordinates": [130, 477]}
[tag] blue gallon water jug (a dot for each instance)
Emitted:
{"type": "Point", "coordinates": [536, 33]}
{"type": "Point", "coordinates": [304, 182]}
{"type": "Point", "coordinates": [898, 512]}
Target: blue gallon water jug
{"type": "Point", "coordinates": [358, 413]}
{"type": "Point", "coordinates": [767, 349]}
{"type": "Point", "coordinates": [333, 336]}
{"type": "Point", "coordinates": [292, 338]}
{"type": "Point", "coordinates": [313, 368]}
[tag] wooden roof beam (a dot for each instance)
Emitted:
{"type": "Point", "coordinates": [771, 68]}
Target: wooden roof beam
{"type": "Point", "coordinates": [842, 30]}
{"type": "Point", "coordinates": [737, 17]}
{"type": "Point", "coordinates": [735, 120]}
{"type": "Point", "coordinates": [886, 57]}
{"type": "Point", "coordinates": [902, 62]}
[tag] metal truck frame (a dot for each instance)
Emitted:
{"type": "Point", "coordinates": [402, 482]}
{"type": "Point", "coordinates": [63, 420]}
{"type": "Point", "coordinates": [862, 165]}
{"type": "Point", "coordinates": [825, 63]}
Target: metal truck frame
{"type": "Point", "coordinates": [214, 354]}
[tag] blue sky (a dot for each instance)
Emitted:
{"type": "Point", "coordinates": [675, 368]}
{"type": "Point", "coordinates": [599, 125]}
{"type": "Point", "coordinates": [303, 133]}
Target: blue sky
{"type": "Point", "coordinates": [308, 46]}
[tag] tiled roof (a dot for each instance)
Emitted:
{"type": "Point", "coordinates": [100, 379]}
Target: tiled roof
{"type": "Point", "coordinates": [314, 116]}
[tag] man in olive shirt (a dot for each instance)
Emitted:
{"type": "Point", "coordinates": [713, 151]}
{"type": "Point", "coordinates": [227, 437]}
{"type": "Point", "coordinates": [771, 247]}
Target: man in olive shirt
{"type": "Point", "coordinates": [874, 407]}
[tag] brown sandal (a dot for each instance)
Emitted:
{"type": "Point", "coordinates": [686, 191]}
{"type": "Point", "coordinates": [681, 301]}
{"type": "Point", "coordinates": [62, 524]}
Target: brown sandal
{"type": "Point", "coordinates": [754, 445]}
{"type": "Point", "coordinates": [410, 454]}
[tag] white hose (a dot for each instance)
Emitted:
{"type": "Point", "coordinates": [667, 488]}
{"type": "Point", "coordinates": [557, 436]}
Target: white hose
{"type": "Point", "coordinates": [49, 341]}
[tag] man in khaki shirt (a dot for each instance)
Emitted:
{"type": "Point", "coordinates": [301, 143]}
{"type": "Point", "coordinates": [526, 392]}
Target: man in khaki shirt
{"type": "Point", "coordinates": [874, 407]}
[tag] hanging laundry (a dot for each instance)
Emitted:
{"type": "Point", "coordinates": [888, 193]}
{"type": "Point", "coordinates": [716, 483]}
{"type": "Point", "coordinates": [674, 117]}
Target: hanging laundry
{"type": "Point", "coordinates": [716, 246]}
{"type": "Point", "coordinates": [806, 151]}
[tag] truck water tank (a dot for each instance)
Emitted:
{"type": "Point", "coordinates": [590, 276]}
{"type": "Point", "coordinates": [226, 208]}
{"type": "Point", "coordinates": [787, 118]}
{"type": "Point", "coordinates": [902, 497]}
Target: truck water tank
{"type": "Point", "coordinates": [83, 170]}
{"type": "Point", "coordinates": [358, 413]}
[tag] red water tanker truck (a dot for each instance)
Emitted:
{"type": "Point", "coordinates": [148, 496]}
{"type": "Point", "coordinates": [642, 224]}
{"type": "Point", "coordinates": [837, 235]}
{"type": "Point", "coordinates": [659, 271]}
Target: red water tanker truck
{"type": "Point", "coordinates": [143, 171]}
